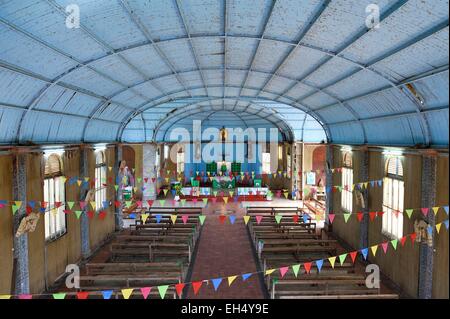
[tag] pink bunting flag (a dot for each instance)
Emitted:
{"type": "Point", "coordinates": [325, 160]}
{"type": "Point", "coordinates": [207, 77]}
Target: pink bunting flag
{"type": "Point", "coordinates": [425, 211]}
{"type": "Point", "coordinates": [385, 247]}
{"type": "Point", "coordinates": [214, 200]}
{"type": "Point", "coordinates": [331, 218]}
{"type": "Point", "coordinates": [283, 271]}
{"type": "Point", "coordinates": [195, 200]}
{"type": "Point", "coordinates": [146, 291]}
{"type": "Point", "coordinates": [82, 205]}
{"type": "Point", "coordinates": [184, 218]}
{"type": "Point", "coordinates": [23, 297]}
{"type": "Point", "coordinates": [259, 219]}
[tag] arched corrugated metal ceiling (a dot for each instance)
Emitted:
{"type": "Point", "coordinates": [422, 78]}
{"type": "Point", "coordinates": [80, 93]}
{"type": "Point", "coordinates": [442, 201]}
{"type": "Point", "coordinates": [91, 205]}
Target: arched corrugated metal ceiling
{"type": "Point", "coordinates": [387, 85]}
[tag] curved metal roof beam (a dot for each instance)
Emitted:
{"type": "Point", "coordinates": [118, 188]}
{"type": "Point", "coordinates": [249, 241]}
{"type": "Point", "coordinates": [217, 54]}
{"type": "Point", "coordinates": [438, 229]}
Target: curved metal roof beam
{"type": "Point", "coordinates": [287, 129]}
{"type": "Point", "coordinates": [311, 113]}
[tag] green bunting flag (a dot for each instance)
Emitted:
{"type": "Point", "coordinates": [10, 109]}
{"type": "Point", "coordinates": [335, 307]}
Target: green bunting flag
{"type": "Point", "coordinates": [394, 243]}
{"type": "Point", "coordinates": [116, 187]}
{"type": "Point", "coordinates": [70, 204]}
{"type": "Point", "coordinates": [342, 258]}
{"type": "Point", "coordinates": [162, 202]}
{"type": "Point", "coordinates": [409, 212]}
{"type": "Point", "coordinates": [296, 268]}
{"type": "Point", "coordinates": [202, 219]}
{"type": "Point", "coordinates": [59, 296]}
{"type": "Point", "coordinates": [78, 213]}
{"type": "Point", "coordinates": [162, 291]}
{"type": "Point", "coordinates": [278, 218]}
{"type": "Point", "coordinates": [14, 209]}
{"type": "Point", "coordinates": [346, 217]}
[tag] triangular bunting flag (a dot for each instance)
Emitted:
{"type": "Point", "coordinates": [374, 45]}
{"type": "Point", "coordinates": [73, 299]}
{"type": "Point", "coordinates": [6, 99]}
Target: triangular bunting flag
{"type": "Point", "coordinates": [202, 219]}
{"type": "Point", "coordinates": [246, 276]}
{"type": "Point", "coordinates": [232, 219]}
{"type": "Point", "coordinates": [126, 293]}
{"type": "Point", "coordinates": [319, 264]}
{"type": "Point", "coordinates": [107, 294]}
{"type": "Point", "coordinates": [353, 256]}
{"type": "Point", "coordinates": [196, 286]}
{"type": "Point", "coordinates": [270, 271]}
{"type": "Point", "coordinates": [385, 247]}
{"type": "Point", "coordinates": [144, 218]}
{"type": "Point", "coordinates": [179, 288]}
{"type": "Point", "coordinates": [409, 212]}
{"type": "Point", "coordinates": [173, 218]}
{"type": "Point", "coordinates": [403, 241]}
{"type": "Point", "coordinates": [278, 218]}
{"type": "Point", "coordinates": [394, 243]}
{"type": "Point", "coordinates": [259, 219]}
{"type": "Point", "coordinates": [162, 291]}
{"type": "Point", "coordinates": [283, 271]}
{"type": "Point", "coordinates": [331, 218]}
{"type": "Point", "coordinates": [365, 253]}
{"type": "Point", "coordinates": [374, 249]}
{"type": "Point", "coordinates": [332, 261]}
{"type": "Point", "coordinates": [346, 217]}
{"type": "Point", "coordinates": [82, 295]}
{"type": "Point", "coordinates": [246, 219]}
{"type": "Point", "coordinates": [216, 283]}
{"type": "Point", "coordinates": [295, 269]}
{"type": "Point", "coordinates": [436, 210]}
{"type": "Point", "coordinates": [425, 211]}
{"type": "Point", "coordinates": [146, 291]}
{"type": "Point", "coordinates": [231, 279]}
{"type": "Point", "coordinates": [307, 267]}
{"type": "Point", "coordinates": [342, 258]}
{"type": "Point", "coordinates": [59, 296]}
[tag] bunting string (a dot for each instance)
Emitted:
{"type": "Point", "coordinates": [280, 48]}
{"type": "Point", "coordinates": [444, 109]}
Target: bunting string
{"type": "Point", "coordinates": [334, 261]}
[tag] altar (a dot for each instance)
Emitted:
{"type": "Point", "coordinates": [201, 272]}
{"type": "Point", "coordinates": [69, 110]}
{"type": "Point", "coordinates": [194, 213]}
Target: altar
{"type": "Point", "coordinates": [224, 182]}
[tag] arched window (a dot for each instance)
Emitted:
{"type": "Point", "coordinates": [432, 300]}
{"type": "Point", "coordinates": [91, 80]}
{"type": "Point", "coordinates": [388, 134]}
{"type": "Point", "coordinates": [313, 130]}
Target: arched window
{"type": "Point", "coordinates": [180, 161]}
{"type": "Point", "coordinates": [100, 179]}
{"type": "Point", "coordinates": [393, 198]}
{"type": "Point", "coordinates": [54, 198]}
{"type": "Point", "coordinates": [347, 183]}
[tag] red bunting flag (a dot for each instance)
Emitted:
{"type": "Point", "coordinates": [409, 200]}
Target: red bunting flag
{"type": "Point", "coordinates": [295, 218]}
{"type": "Point", "coordinates": [58, 204]}
{"type": "Point", "coordinates": [308, 267]}
{"type": "Point", "coordinates": [102, 215]}
{"type": "Point", "coordinates": [29, 210]}
{"type": "Point", "coordinates": [67, 211]}
{"type": "Point", "coordinates": [150, 203]}
{"type": "Point", "coordinates": [222, 218]}
{"type": "Point", "coordinates": [360, 216]}
{"type": "Point", "coordinates": [196, 286]}
{"type": "Point", "coordinates": [146, 179]}
{"type": "Point", "coordinates": [90, 214]}
{"type": "Point", "coordinates": [179, 288]}
{"type": "Point", "coordinates": [413, 238]}
{"type": "Point", "coordinates": [353, 256]}
{"type": "Point", "coordinates": [372, 215]}
{"type": "Point", "coordinates": [380, 214]}
{"type": "Point", "coordinates": [117, 204]}
{"type": "Point", "coordinates": [82, 295]}
{"type": "Point", "coordinates": [403, 240]}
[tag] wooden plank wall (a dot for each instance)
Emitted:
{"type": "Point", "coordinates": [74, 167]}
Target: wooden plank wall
{"type": "Point", "coordinates": [47, 261]}
{"type": "Point", "coordinates": [402, 266]}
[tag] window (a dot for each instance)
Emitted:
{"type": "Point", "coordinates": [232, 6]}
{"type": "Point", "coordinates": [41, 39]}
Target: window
{"type": "Point", "coordinates": [266, 163]}
{"type": "Point", "coordinates": [100, 179]}
{"type": "Point", "coordinates": [166, 152]}
{"type": "Point", "coordinates": [393, 198]}
{"type": "Point", "coordinates": [347, 184]}
{"type": "Point", "coordinates": [289, 166]}
{"type": "Point", "coordinates": [54, 196]}
{"type": "Point", "coordinates": [180, 162]}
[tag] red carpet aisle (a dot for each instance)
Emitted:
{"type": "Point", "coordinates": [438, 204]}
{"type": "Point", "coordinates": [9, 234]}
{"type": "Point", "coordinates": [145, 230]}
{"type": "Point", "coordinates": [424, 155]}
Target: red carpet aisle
{"type": "Point", "coordinates": [225, 250]}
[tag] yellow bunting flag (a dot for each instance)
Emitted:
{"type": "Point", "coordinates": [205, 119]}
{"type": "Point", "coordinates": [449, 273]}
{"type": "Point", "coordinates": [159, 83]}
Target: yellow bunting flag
{"type": "Point", "coordinates": [79, 182]}
{"type": "Point", "coordinates": [246, 219]}
{"type": "Point", "coordinates": [4, 297]}
{"type": "Point", "coordinates": [332, 261]}
{"type": "Point", "coordinates": [144, 217]}
{"type": "Point", "coordinates": [374, 249]}
{"type": "Point", "coordinates": [110, 168]}
{"type": "Point", "coordinates": [173, 218]}
{"type": "Point", "coordinates": [127, 293]}
{"type": "Point", "coordinates": [63, 179]}
{"type": "Point", "coordinates": [18, 204]}
{"type": "Point", "coordinates": [231, 193]}
{"type": "Point", "coordinates": [225, 199]}
{"type": "Point", "coordinates": [438, 227]}
{"type": "Point", "coordinates": [231, 279]}
{"type": "Point", "coordinates": [165, 192]}
{"type": "Point", "coordinates": [86, 179]}
{"type": "Point", "coordinates": [270, 271]}
{"type": "Point", "coordinates": [365, 185]}
{"type": "Point", "coordinates": [93, 205]}
{"type": "Point", "coordinates": [436, 210]}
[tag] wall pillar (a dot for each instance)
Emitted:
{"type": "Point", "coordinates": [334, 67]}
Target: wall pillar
{"type": "Point", "coordinates": [149, 168]}
{"type": "Point", "coordinates": [21, 282]}
{"type": "Point", "coordinates": [364, 176]}
{"type": "Point", "coordinates": [118, 210]}
{"type": "Point", "coordinates": [84, 220]}
{"type": "Point", "coordinates": [429, 172]}
{"type": "Point", "coordinates": [329, 185]}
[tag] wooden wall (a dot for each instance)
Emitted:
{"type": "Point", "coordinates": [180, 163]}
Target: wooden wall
{"type": "Point", "coordinates": [402, 266]}
{"type": "Point", "coordinates": [48, 260]}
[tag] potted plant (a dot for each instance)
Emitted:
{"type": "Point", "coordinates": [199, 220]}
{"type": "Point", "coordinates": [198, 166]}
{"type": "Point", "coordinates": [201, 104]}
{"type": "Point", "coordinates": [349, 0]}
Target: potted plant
{"type": "Point", "coordinates": [178, 193]}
